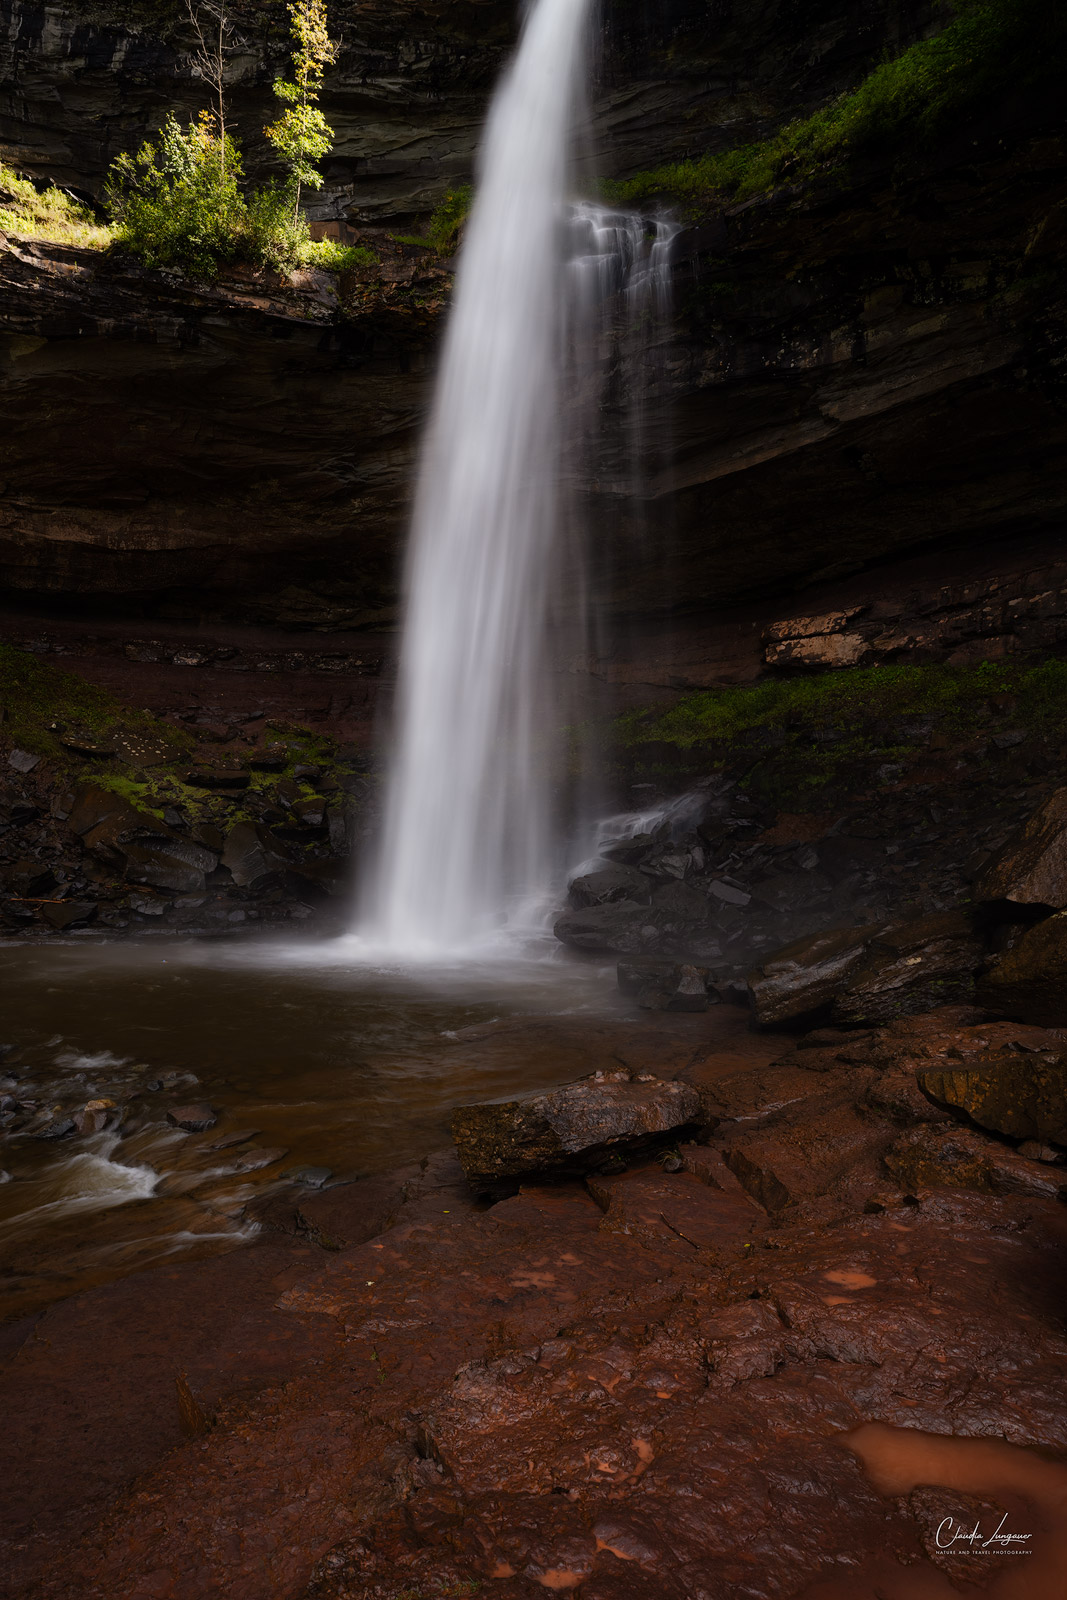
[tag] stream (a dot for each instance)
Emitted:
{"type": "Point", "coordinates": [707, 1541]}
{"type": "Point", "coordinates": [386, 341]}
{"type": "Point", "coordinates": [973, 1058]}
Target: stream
{"type": "Point", "coordinates": [324, 1064]}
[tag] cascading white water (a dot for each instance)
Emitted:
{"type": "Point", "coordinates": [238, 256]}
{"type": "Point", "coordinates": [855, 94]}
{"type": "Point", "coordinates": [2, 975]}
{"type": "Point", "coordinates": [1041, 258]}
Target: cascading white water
{"type": "Point", "coordinates": [467, 808]}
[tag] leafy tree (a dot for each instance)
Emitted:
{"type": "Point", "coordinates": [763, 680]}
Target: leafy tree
{"type": "Point", "coordinates": [301, 135]}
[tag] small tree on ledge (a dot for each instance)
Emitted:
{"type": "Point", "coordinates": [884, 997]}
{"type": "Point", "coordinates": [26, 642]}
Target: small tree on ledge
{"type": "Point", "coordinates": [301, 135]}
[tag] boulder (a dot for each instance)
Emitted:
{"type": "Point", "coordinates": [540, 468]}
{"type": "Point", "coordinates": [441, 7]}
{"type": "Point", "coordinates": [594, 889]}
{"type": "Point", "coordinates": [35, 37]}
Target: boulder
{"type": "Point", "coordinates": [254, 856]}
{"type": "Point", "coordinates": [1030, 980]}
{"type": "Point", "coordinates": [1017, 1092]}
{"type": "Point", "coordinates": [666, 985]}
{"type": "Point", "coordinates": [608, 884]}
{"type": "Point", "coordinates": [961, 1158]}
{"type": "Point", "coordinates": [68, 913]}
{"type": "Point", "coordinates": [616, 927]}
{"type": "Point", "coordinates": [806, 976]}
{"type": "Point", "coordinates": [1032, 867]}
{"type": "Point", "coordinates": [912, 967]}
{"type": "Point", "coordinates": [573, 1128]}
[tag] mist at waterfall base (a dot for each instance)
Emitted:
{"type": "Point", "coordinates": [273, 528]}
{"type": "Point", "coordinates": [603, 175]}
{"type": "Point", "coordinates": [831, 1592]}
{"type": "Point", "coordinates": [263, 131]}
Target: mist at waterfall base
{"type": "Point", "coordinates": [473, 846]}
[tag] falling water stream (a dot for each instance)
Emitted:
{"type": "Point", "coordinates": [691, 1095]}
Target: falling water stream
{"type": "Point", "coordinates": [469, 841]}
{"type": "Point", "coordinates": [467, 826]}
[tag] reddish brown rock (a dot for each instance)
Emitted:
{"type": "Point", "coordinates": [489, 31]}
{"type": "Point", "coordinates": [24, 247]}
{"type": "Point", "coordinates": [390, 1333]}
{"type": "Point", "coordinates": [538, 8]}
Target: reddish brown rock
{"type": "Point", "coordinates": [1032, 867]}
{"type": "Point", "coordinates": [959, 1158]}
{"type": "Point", "coordinates": [576, 1125]}
{"type": "Point", "coordinates": [1023, 1094]}
{"type": "Point", "coordinates": [1030, 981]}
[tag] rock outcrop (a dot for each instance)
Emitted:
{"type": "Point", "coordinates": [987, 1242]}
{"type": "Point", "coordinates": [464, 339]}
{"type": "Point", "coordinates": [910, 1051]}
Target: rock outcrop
{"type": "Point", "coordinates": [824, 338]}
{"type": "Point", "coordinates": [1030, 980]}
{"type": "Point", "coordinates": [575, 1128]}
{"type": "Point", "coordinates": [1032, 868]}
{"type": "Point", "coordinates": [597, 1354]}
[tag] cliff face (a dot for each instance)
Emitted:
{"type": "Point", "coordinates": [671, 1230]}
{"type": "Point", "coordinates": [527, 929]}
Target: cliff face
{"type": "Point", "coordinates": [857, 369]}
{"type": "Point", "coordinates": [82, 80]}
{"type": "Point", "coordinates": [857, 372]}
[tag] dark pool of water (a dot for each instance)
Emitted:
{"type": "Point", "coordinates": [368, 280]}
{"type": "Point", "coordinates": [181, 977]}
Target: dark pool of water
{"type": "Point", "coordinates": [332, 1062]}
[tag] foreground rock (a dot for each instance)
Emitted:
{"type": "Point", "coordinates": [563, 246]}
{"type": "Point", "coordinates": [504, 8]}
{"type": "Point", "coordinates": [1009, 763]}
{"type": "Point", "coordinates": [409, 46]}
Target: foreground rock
{"type": "Point", "coordinates": [1032, 868]}
{"type": "Point", "coordinates": [574, 1128]}
{"type": "Point", "coordinates": [869, 975]}
{"type": "Point", "coordinates": [639, 1387]}
{"type": "Point", "coordinates": [1030, 981]}
{"type": "Point", "coordinates": [1020, 1093]}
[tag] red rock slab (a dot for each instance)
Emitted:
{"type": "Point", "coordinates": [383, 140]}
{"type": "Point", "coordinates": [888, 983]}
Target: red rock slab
{"type": "Point", "coordinates": [530, 1401]}
{"type": "Point", "coordinates": [675, 1210]}
{"type": "Point", "coordinates": [88, 1389]}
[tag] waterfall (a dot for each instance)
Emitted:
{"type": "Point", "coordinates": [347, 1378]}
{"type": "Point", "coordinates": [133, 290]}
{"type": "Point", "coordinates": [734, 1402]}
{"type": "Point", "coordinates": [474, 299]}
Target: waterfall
{"type": "Point", "coordinates": [468, 830]}
{"type": "Point", "coordinates": [467, 805]}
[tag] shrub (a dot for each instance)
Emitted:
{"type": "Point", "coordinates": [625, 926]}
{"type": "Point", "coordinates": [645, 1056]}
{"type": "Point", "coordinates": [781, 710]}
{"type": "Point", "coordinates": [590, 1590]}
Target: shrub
{"type": "Point", "coordinates": [444, 226]}
{"type": "Point", "coordinates": [177, 203]}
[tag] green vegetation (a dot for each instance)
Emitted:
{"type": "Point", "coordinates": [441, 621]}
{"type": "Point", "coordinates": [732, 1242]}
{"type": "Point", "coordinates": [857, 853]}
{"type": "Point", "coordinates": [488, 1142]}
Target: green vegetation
{"type": "Point", "coordinates": [38, 700]}
{"type": "Point", "coordinates": [180, 202]}
{"type": "Point", "coordinates": [446, 223]}
{"type": "Point", "coordinates": [51, 215]}
{"type": "Point", "coordinates": [43, 705]}
{"type": "Point", "coordinates": [795, 736]}
{"type": "Point", "coordinates": [990, 47]}
{"type": "Point", "coordinates": [301, 135]}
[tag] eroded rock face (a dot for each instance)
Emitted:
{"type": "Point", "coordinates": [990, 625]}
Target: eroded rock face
{"type": "Point", "coordinates": [575, 1126]}
{"type": "Point", "coordinates": [1030, 980]}
{"type": "Point", "coordinates": [1020, 1093]}
{"type": "Point", "coordinates": [806, 976]}
{"type": "Point", "coordinates": [1032, 868]}
{"type": "Point", "coordinates": [912, 968]}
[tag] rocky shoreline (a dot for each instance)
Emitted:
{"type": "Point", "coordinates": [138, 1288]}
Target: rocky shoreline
{"type": "Point", "coordinates": [402, 1388]}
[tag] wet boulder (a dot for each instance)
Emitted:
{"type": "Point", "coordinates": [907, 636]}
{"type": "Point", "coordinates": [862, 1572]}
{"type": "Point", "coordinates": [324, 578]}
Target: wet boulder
{"type": "Point", "coordinates": [1030, 979]}
{"type": "Point", "coordinates": [1032, 867]}
{"type": "Point", "coordinates": [609, 883]}
{"type": "Point", "coordinates": [63, 914]}
{"type": "Point", "coordinates": [618, 926]}
{"type": "Point", "coordinates": [805, 977]}
{"type": "Point", "coordinates": [1022, 1093]}
{"type": "Point", "coordinates": [962, 1158]}
{"type": "Point", "coordinates": [573, 1128]}
{"type": "Point", "coordinates": [255, 858]}
{"type": "Point", "coordinates": [912, 967]}
{"type": "Point", "coordinates": [193, 1118]}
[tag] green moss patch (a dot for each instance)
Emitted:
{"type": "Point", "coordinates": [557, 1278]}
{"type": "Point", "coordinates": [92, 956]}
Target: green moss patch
{"type": "Point", "coordinates": [991, 48]}
{"type": "Point", "coordinates": [795, 737]}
